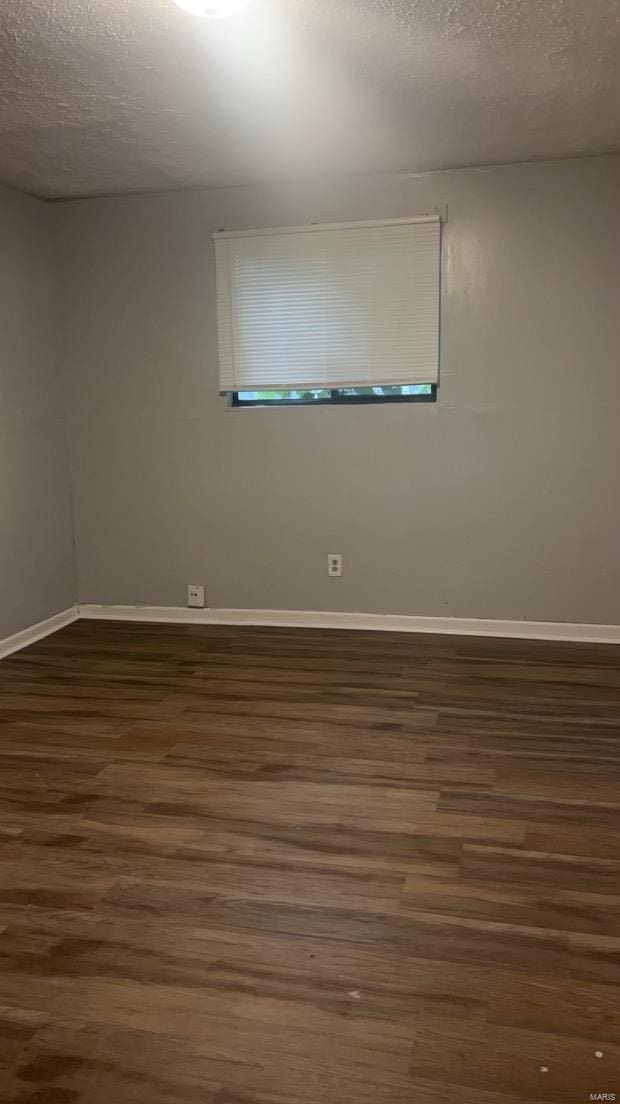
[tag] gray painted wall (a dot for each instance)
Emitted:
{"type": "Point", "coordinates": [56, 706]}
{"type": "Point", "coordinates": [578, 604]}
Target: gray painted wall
{"type": "Point", "coordinates": [37, 571]}
{"type": "Point", "coordinates": [501, 501]}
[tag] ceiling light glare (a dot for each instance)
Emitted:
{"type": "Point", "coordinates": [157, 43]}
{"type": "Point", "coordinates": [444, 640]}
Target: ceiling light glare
{"type": "Point", "coordinates": [215, 9]}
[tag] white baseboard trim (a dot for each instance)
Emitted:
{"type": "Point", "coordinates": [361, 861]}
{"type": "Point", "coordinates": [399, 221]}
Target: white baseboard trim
{"type": "Point", "coordinates": [36, 632]}
{"type": "Point", "coordinates": [384, 622]}
{"type": "Point", "coordinates": [315, 619]}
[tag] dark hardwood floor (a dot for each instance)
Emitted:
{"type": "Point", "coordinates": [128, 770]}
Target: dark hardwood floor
{"type": "Point", "coordinates": [254, 866]}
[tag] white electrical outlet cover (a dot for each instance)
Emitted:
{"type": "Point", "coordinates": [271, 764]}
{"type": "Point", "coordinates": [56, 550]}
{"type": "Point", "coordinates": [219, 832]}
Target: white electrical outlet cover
{"type": "Point", "coordinates": [334, 565]}
{"type": "Point", "coordinates": [195, 597]}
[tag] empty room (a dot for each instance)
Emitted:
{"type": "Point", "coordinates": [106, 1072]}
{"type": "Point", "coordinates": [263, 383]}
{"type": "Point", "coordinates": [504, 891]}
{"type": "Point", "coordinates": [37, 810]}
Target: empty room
{"type": "Point", "coordinates": [309, 551]}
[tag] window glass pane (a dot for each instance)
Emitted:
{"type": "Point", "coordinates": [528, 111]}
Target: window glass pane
{"type": "Point", "coordinates": [288, 396]}
{"type": "Point", "coordinates": [385, 392]}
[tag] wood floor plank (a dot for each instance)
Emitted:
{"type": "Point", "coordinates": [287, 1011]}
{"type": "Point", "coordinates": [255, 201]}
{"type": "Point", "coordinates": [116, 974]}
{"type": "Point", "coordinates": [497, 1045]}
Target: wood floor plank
{"type": "Point", "coordinates": [277, 866]}
{"type": "Point", "coordinates": [530, 1064]}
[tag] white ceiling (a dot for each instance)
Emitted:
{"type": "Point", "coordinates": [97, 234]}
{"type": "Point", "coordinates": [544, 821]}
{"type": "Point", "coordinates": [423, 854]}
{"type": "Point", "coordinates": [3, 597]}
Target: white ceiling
{"type": "Point", "coordinates": [107, 96]}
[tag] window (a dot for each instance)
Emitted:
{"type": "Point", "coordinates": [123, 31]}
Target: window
{"type": "Point", "coordinates": [330, 314]}
{"type": "Point", "coordinates": [416, 392]}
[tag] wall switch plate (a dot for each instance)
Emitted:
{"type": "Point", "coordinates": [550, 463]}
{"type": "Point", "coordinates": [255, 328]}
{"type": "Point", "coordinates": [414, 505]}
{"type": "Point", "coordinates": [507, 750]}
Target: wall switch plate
{"type": "Point", "coordinates": [195, 597]}
{"type": "Point", "coordinates": [334, 565]}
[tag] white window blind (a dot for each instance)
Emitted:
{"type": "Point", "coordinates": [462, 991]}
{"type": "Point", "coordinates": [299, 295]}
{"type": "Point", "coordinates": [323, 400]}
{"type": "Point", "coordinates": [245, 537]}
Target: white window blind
{"type": "Point", "coordinates": [351, 305]}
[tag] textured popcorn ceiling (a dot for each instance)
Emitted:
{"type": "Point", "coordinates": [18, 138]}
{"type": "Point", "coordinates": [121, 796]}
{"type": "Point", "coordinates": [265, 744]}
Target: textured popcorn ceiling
{"type": "Point", "coordinates": [106, 96]}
